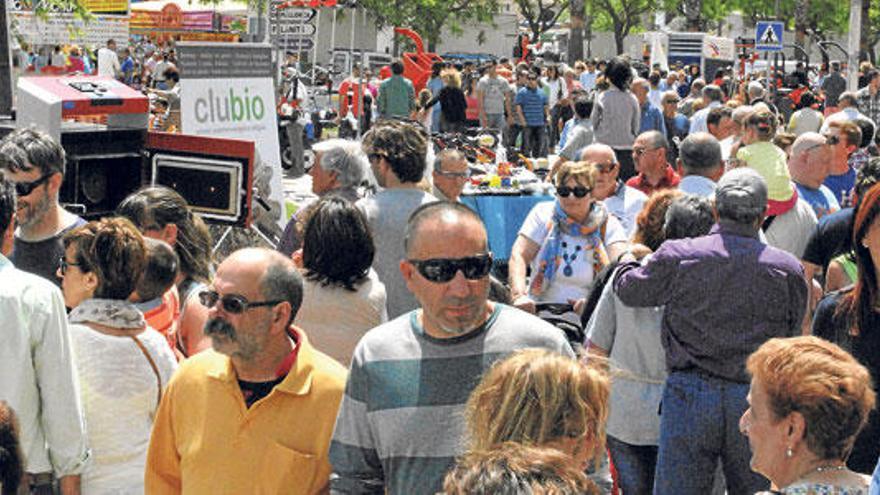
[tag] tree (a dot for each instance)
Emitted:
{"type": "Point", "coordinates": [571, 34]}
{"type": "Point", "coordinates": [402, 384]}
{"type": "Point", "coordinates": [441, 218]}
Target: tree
{"type": "Point", "coordinates": [428, 17]}
{"type": "Point", "coordinates": [621, 16]}
{"type": "Point", "coordinates": [541, 15]}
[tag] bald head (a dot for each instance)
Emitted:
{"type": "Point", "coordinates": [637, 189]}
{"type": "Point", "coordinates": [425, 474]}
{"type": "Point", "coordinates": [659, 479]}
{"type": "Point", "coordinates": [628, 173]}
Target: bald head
{"type": "Point", "coordinates": [810, 160]}
{"type": "Point", "coordinates": [430, 219]}
{"type": "Point", "coordinates": [273, 275]}
{"type": "Point", "coordinates": [598, 153]}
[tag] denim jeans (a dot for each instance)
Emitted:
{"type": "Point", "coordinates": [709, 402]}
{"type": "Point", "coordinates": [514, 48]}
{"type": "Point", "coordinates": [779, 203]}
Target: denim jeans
{"type": "Point", "coordinates": [535, 141]}
{"type": "Point", "coordinates": [699, 423]}
{"type": "Point", "coordinates": [635, 465]}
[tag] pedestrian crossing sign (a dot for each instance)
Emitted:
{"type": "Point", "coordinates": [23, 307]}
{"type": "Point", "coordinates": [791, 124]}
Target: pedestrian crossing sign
{"type": "Point", "coordinates": [768, 36]}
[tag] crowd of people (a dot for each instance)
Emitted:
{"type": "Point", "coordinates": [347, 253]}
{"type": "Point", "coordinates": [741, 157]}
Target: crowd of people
{"type": "Point", "coordinates": [721, 261]}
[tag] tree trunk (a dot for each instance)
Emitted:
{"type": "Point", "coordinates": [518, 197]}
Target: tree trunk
{"type": "Point", "coordinates": [578, 9]}
{"type": "Point", "coordinates": [864, 46]}
{"type": "Point", "coordinates": [801, 21]}
{"type": "Point", "coordinates": [619, 36]}
{"type": "Point", "coordinates": [693, 14]}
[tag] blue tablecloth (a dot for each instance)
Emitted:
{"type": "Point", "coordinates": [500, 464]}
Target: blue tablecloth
{"type": "Point", "coordinates": [503, 216]}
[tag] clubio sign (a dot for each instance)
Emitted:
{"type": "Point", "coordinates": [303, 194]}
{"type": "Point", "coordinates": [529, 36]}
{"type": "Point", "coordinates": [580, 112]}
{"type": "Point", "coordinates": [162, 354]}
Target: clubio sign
{"type": "Point", "coordinates": [227, 90]}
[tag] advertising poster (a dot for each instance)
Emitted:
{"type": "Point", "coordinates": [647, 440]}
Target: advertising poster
{"type": "Point", "coordinates": [227, 90]}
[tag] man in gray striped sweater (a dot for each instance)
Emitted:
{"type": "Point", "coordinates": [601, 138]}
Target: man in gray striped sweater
{"type": "Point", "coordinates": [401, 421]}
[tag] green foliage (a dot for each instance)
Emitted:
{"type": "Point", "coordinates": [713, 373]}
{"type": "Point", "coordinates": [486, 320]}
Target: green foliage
{"type": "Point", "coordinates": [428, 17]}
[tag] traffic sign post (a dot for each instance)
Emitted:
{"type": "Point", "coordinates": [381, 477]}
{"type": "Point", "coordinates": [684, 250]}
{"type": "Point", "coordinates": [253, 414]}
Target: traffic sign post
{"type": "Point", "coordinates": [768, 36]}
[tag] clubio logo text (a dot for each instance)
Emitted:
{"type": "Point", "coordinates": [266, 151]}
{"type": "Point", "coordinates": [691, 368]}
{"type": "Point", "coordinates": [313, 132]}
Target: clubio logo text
{"type": "Point", "coordinates": [229, 107]}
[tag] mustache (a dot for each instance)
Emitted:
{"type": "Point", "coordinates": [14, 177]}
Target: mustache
{"type": "Point", "coordinates": [220, 328]}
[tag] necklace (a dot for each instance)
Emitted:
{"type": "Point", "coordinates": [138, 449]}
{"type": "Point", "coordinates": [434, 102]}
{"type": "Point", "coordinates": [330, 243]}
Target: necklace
{"type": "Point", "coordinates": [825, 468]}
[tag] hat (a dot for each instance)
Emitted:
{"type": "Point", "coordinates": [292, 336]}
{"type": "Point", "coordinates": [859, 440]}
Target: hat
{"type": "Point", "coordinates": [741, 192]}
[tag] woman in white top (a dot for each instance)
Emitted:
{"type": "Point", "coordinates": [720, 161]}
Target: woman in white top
{"type": "Point", "coordinates": [566, 242]}
{"type": "Point", "coordinates": [123, 364]}
{"type": "Point", "coordinates": [342, 295]}
{"type": "Point", "coordinates": [557, 99]}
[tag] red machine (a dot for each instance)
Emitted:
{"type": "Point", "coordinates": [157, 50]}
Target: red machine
{"type": "Point", "coordinates": [416, 66]}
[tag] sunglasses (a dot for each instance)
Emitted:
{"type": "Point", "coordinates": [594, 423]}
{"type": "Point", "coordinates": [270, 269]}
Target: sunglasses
{"type": "Point", "coordinates": [578, 191]}
{"type": "Point", "coordinates": [641, 151]}
{"type": "Point", "coordinates": [63, 265]}
{"type": "Point", "coordinates": [25, 188]}
{"type": "Point", "coordinates": [442, 270]}
{"type": "Point", "coordinates": [231, 303]}
{"type": "Point", "coordinates": [832, 139]}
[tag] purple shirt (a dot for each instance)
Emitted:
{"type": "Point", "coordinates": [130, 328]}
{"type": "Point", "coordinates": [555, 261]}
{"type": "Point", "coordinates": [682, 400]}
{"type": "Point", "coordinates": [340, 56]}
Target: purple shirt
{"type": "Point", "coordinates": [725, 294]}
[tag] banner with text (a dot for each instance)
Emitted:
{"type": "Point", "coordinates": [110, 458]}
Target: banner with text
{"type": "Point", "coordinates": [227, 90]}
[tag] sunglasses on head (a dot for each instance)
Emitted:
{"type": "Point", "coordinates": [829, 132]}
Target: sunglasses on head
{"type": "Point", "coordinates": [231, 303]}
{"type": "Point", "coordinates": [578, 191]}
{"type": "Point", "coordinates": [442, 270]}
{"type": "Point", "coordinates": [25, 188]}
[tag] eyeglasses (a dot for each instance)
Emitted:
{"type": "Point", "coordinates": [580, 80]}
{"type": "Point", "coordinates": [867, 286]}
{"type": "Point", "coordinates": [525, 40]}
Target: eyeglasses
{"type": "Point", "coordinates": [578, 191]}
{"type": "Point", "coordinates": [454, 175]}
{"type": "Point", "coordinates": [25, 188]}
{"type": "Point", "coordinates": [606, 167]}
{"type": "Point", "coordinates": [231, 303]}
{"type": "Point", "coordinates": [63, 265]}
{"type": "Point", "coordinates": [637, 152]}
{"type": "Point", "coordinates": [832, 139]}
{"type": "Point", "coordinates": [374, 157]}
{"type": "Point", "coordinates": [442, 270]}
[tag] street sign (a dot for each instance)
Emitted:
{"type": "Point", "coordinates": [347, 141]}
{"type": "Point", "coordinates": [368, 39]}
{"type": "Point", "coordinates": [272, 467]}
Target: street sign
{"type": "Point", "coordinates": [288, 29]}
{"type": "Point", "coordinates": [295, 44]}
{"type": "Point", "coordinates": [768, 36]}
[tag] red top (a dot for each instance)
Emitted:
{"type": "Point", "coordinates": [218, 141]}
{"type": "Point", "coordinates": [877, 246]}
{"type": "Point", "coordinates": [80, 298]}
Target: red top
{"type": "Point", "coordinates": [473, 108]}
{"type": "Point", "coordinates": [668, 181]}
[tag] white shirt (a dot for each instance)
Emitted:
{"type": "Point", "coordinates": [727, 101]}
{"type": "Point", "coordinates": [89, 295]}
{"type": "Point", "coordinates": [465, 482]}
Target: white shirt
{"type": "Point", "coordinates": [119, 390]}
{"type": "Point", "coordinates": [625, 204]}
{"type": "Point", "coordinates": [847, 114]}
{"type": "Point", "coordinates": [575, 274]}
{"type": "Point", "coordinates": [698, 121]}
{"type": "Point", "coordinates": [108, 63]}
{"type": "Point", "coordinates": [791, 230]}
{"type": "Point", "coordinates": [37, 375]}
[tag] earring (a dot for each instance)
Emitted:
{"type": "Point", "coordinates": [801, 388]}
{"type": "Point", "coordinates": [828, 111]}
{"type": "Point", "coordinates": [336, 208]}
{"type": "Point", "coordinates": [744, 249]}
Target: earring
{"type": "Point", "coordinates": [789, 453]}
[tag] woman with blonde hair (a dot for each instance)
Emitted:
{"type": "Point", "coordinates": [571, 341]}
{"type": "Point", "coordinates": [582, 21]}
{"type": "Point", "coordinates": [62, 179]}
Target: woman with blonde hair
{"type": "Point", "coordinates": [536, 397]}
{"type": "Point", "coordinates": [453, 104]}
{"type": "Point", "coordinates": [807, 402]}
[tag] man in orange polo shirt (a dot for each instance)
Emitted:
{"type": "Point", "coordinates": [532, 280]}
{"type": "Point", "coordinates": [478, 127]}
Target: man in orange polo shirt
{"type": "Point", "coordinates": [654, 173]}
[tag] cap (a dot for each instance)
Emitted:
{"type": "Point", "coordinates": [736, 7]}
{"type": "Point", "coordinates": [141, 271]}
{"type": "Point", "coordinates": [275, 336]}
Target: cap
{"type": "Point", "coordinates": [741, 192]}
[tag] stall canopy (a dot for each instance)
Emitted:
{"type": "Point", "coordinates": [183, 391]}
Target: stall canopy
{"type": "Point", "coordinates": [187, 16]}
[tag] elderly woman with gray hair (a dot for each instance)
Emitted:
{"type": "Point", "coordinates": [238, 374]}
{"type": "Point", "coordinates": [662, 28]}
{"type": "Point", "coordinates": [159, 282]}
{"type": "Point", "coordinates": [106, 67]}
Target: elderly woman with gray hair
{"type": "Point", "coordinates": [340, 168]}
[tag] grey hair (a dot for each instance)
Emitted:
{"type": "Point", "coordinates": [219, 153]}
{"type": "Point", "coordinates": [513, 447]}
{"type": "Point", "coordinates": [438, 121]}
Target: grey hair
{"type": "Point", "coordinates": [850, 97]}
{"type": "Point", "coordinates": [700, 152]}
{"type": "Point", "coordinates": [346, 158]}
{"type": "Point", "coordinates": [688, 216]}
{"type": "Point", "coordinates": [282, 282]}
{"type": "Point", "coordinates": [741, 113]}
{"type": "Point", "coordinates": [713, 92]}
{"type": "Point", "coordinates": [29, 148]}
{"type": "Point", "coordinates": [656, 138]}
{"type": "Point", "coordinates": [446, 154]}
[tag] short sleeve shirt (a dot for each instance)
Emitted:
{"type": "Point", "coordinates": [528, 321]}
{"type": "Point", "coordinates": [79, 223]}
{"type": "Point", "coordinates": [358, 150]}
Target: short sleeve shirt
{"type": "Point", "coordinates": [494, 91]}
{"type": "Point", "coordinates": [575, 274]}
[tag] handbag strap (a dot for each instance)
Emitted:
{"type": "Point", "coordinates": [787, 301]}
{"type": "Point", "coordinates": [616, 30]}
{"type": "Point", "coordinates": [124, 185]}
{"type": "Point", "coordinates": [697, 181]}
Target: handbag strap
{"type": "Point", "coordinates": [152, 365]}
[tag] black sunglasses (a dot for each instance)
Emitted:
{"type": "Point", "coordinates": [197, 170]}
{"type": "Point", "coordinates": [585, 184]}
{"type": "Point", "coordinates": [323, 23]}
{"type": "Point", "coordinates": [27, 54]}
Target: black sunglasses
{"type": "Point", "coordinates": [578, 191]}
{"type": "Point", "coordinates": [231, 303]}
{"type": "Point", "coordinates": [832, 139]}
{"type": "Point", "coordinates": [25, 188]}
{"type": "Point", "coordinates": [374, 157]}
{"type": "Point", "coordinates": [442, 270]}
{"type": "Point", "coordinates": [63, 265]}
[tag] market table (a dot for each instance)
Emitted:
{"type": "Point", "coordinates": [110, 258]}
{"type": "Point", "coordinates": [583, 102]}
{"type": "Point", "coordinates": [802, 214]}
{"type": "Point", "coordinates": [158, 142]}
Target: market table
{"type": "Point", "coordinates": [503, 216]}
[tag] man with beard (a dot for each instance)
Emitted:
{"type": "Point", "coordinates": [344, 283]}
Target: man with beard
{"type": "Point", "coordinates": [34, 163]}
{"type": "Point", "coordinates": [401, 422]}
{"type": "Point", "coordinates": [254, 415]}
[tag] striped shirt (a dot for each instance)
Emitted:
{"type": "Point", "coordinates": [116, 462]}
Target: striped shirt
{"type": "Point", "coordinates": [401, 423]}
{"type": "Point", "coordinates": [533, 102]}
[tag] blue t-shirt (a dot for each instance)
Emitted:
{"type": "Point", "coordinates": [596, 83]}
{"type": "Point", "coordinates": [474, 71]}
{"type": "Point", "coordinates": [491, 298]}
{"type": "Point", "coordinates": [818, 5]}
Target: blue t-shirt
{"type": "Point", "coordinates": [842, 187]}
{"type": "Point", "coordinates": [532, 102]}
{"type": "Point", "coordinates": [822, 200]}
{"type": "Point", "coordinates": [652, 120]}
